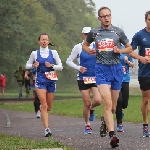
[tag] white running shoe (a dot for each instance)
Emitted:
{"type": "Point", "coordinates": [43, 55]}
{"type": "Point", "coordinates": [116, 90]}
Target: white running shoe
{"type": "Point", "coordinates": [38, 114]}
{"type": "Point", "coordinates": [48, 132]}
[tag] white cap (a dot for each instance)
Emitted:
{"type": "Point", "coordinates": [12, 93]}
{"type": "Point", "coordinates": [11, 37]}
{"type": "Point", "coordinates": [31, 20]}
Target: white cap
{"type": "Point", "coordinates": [86, 29]}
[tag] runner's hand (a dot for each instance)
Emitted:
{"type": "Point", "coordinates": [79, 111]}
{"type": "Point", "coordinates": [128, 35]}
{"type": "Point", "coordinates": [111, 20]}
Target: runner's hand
{"type": "Point", "coordinates": [36, 64]}
{"type": "Point", "coordinates": [83, 69]}
{"type": "Point", "coordinates": [116, 49]}
{"type": "Point", "coordinates": [47, 64]}
{"type": "Point", "coordinates": [144, 60]}
{"type": "Point", "coordinates": [92, 51]}
{"type": "Point", "coordinates": [26, 76]}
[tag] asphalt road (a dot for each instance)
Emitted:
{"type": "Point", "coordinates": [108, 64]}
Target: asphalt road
{"type": "Point", "coordinates": [69, 131]}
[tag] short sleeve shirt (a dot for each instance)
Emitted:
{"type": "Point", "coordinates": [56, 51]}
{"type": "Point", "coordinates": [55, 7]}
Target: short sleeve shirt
{"type": "Point", "coordinates": [105, 40]}
{"type": "Point", "coordinates": [141, 40]}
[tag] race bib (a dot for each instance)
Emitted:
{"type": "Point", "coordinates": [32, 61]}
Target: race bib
{"type": "Point", "coordinates": [51, 75]}
{"type": "Point", "coordinates": [89, 80]}
{"type": "Point", "coordinates": [124, 69]}
{"type": "Point", "coordinates": [147, 53]}
{"type": "Point", "coordinates": [105, 45]}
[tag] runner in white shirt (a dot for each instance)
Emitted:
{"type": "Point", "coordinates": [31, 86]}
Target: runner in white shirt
{"type": "Point", "coordinates": [86, 79]}
{"type": "Point", "coordinates": [46, 61]}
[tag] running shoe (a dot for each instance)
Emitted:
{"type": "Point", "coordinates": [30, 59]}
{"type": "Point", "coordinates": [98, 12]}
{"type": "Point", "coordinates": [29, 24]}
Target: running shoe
{"type": "Point", "coordinates": [47, 132]}
{"type": "Point", "coordinates": [146, 132]}
{"type": "Point", "coordinates": [120, 128]}
{"type": "Point", "coordinates": [87, 129]}
{"type": "Point", "coordinates": [114, 141]}
{"type": "Point", "coordinates": [92, 115]}
{"type": "Point", "coordinates": [38, 114]}
{"type": "Point", "coordinates": [103, 128]}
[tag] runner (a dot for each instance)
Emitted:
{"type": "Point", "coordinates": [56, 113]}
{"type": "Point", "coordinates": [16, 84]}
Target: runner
{"type": "Point", "coordinates": [27, 82]}
{"type": "Point", "coordinates": [2, 83]}
{"type": "Point", "coordinates": [36, 101]}
{"type": "Point", "coordinates": [19, 75]}
{"type": "Point", "coordinates": [86, 79]}
{"type": "Point", "coordinates": [46, 61]}
{"type": "Point", "coordinates": [122, 102]}
{"type": "Point", "coordinates": [108, 69]}
{"type": "Point", "coordinates": [142, 40]}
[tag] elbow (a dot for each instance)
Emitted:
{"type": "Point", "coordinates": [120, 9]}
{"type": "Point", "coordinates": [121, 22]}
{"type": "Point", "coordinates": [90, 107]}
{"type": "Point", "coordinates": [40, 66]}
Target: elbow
{"type": "Point", "coordinates": [83, 46]}
{"type": "Point", "coordinates": [61, 68]}
{"type": "Point", "coordinates": [67, 62]}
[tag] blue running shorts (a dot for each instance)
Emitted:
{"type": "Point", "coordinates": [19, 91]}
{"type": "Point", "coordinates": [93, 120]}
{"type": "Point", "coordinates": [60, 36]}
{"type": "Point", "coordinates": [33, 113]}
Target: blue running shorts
{"type": "Point", "coordinates": [109, 74]}
{"type": "Point", "coordinates": [50, 86]}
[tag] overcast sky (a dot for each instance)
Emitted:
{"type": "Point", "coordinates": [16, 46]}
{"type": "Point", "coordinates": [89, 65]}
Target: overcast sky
{"type": "Point", "coordinates": [129, 14]}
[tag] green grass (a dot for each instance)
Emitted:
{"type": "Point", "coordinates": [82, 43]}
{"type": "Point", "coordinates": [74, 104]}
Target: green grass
{"type": "Point", "coordinates": [15, 143]}
{"type": "Point", "coordinates": [62, 95]}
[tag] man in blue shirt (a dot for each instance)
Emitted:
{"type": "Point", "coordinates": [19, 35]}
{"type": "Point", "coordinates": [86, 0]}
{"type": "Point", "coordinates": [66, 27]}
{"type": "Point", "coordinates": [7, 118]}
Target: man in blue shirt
{"type": "Point", "coordinates": [142, 40]}
{"type": "Point", "coordinates": [122, 102]}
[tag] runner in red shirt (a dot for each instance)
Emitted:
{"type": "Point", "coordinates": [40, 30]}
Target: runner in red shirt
{"type": "Point", "coordinates": [2, 83]}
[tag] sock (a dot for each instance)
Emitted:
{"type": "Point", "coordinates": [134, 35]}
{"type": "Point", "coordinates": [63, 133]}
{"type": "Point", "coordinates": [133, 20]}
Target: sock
{"type": "Point", "coordinates": [87, 123]}
{"type": "Point", "coordinates": [111, 133]}
{"type": "Point", "coordinates": [91, 106]}
{"type": "Point", "coordinates": [48, 129]}
{"type": "Point", "coordinates": [145, 125]}
{"type": "Point", "coordinates": [119, 122]}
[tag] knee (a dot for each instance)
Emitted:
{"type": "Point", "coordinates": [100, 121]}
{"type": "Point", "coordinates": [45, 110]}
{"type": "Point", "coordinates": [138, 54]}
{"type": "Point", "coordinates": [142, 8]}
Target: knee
{"type": "Point", "coordinates": [145, 101]}
{"type": "Point", "coordinates": [108, 105]}
{"type": "Point", "coordinates": [87, 104]}
{"type": "Point", "coordinates": [44, 107]}
{"type": "Point", "coordinates": [97, 102]}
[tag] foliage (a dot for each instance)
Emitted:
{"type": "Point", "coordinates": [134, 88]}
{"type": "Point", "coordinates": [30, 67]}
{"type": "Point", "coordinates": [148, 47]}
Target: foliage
{"type": "Point", "coordinates": [23, 21]}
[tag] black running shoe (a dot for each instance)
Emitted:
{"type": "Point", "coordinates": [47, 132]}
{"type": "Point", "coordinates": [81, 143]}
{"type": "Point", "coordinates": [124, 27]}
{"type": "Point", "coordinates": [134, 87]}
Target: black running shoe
{"type": "Point", "coordinates": [103, 128]}
{"type": "Point", "coordinates": [114, 141]}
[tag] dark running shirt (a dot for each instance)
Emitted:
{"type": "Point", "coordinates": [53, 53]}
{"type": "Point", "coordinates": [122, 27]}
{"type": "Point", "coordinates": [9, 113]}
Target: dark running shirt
{"type": "Point", "coordinates": [105, 40]}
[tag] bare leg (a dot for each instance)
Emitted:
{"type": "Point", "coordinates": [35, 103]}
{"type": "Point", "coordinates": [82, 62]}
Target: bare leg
{"type": "Point", "coordinates": [114, 95]}
{"type": "Point", "coordinates": [87, 103]}
{"type": "Point", "coordinates": [144, 105]}
{"type": "Point", "coordinates": [105, 92]}
{"type": "Point", "coordinates": [96, 96]}
{"type": "Point", "coordinates": [44, 114]}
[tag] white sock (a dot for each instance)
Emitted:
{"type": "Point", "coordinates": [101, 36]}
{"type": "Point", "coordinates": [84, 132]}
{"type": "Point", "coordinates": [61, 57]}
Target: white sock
{"type": "Point", "coordinates": [87, 123]}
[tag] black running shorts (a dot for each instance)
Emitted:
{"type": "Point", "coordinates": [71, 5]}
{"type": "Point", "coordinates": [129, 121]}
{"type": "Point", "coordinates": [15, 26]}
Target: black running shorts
{"type": "Point", "coordinates": [83, 86]}
{"type": "Point", "coordinates": [144, 83]}
{"type": "Point", "coordinates": [27, 83]}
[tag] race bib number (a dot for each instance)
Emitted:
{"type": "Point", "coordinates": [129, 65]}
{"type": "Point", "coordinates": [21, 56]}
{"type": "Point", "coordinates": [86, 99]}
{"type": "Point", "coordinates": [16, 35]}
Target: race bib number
{"type": "Point", "coordinates": [89, 80]}
{"type": "Point", "coordinates": [147, 53]}
{"type": "Point", "coordinates": [124, 69]}
{"type": "Point", "coordinates": [51, 75]}
{"type": "Point", "coordinates": [105, 45]}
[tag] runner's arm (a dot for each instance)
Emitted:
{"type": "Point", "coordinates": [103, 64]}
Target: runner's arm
{"type": "Point", "coordinates": [74, 54]}
{"type": "Point", "coordinates": [58, 65]}
{"type": "Point", "coordinates": [31, 60]}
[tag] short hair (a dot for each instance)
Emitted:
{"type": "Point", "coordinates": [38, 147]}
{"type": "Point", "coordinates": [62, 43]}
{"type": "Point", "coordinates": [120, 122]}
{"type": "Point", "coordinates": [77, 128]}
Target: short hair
{"type": "Point", "coordinates": [41, 35]}
{"type": "Point", "coordinates": [102, 9]}
{"type": "Point", "coordinates": [146, 14]}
